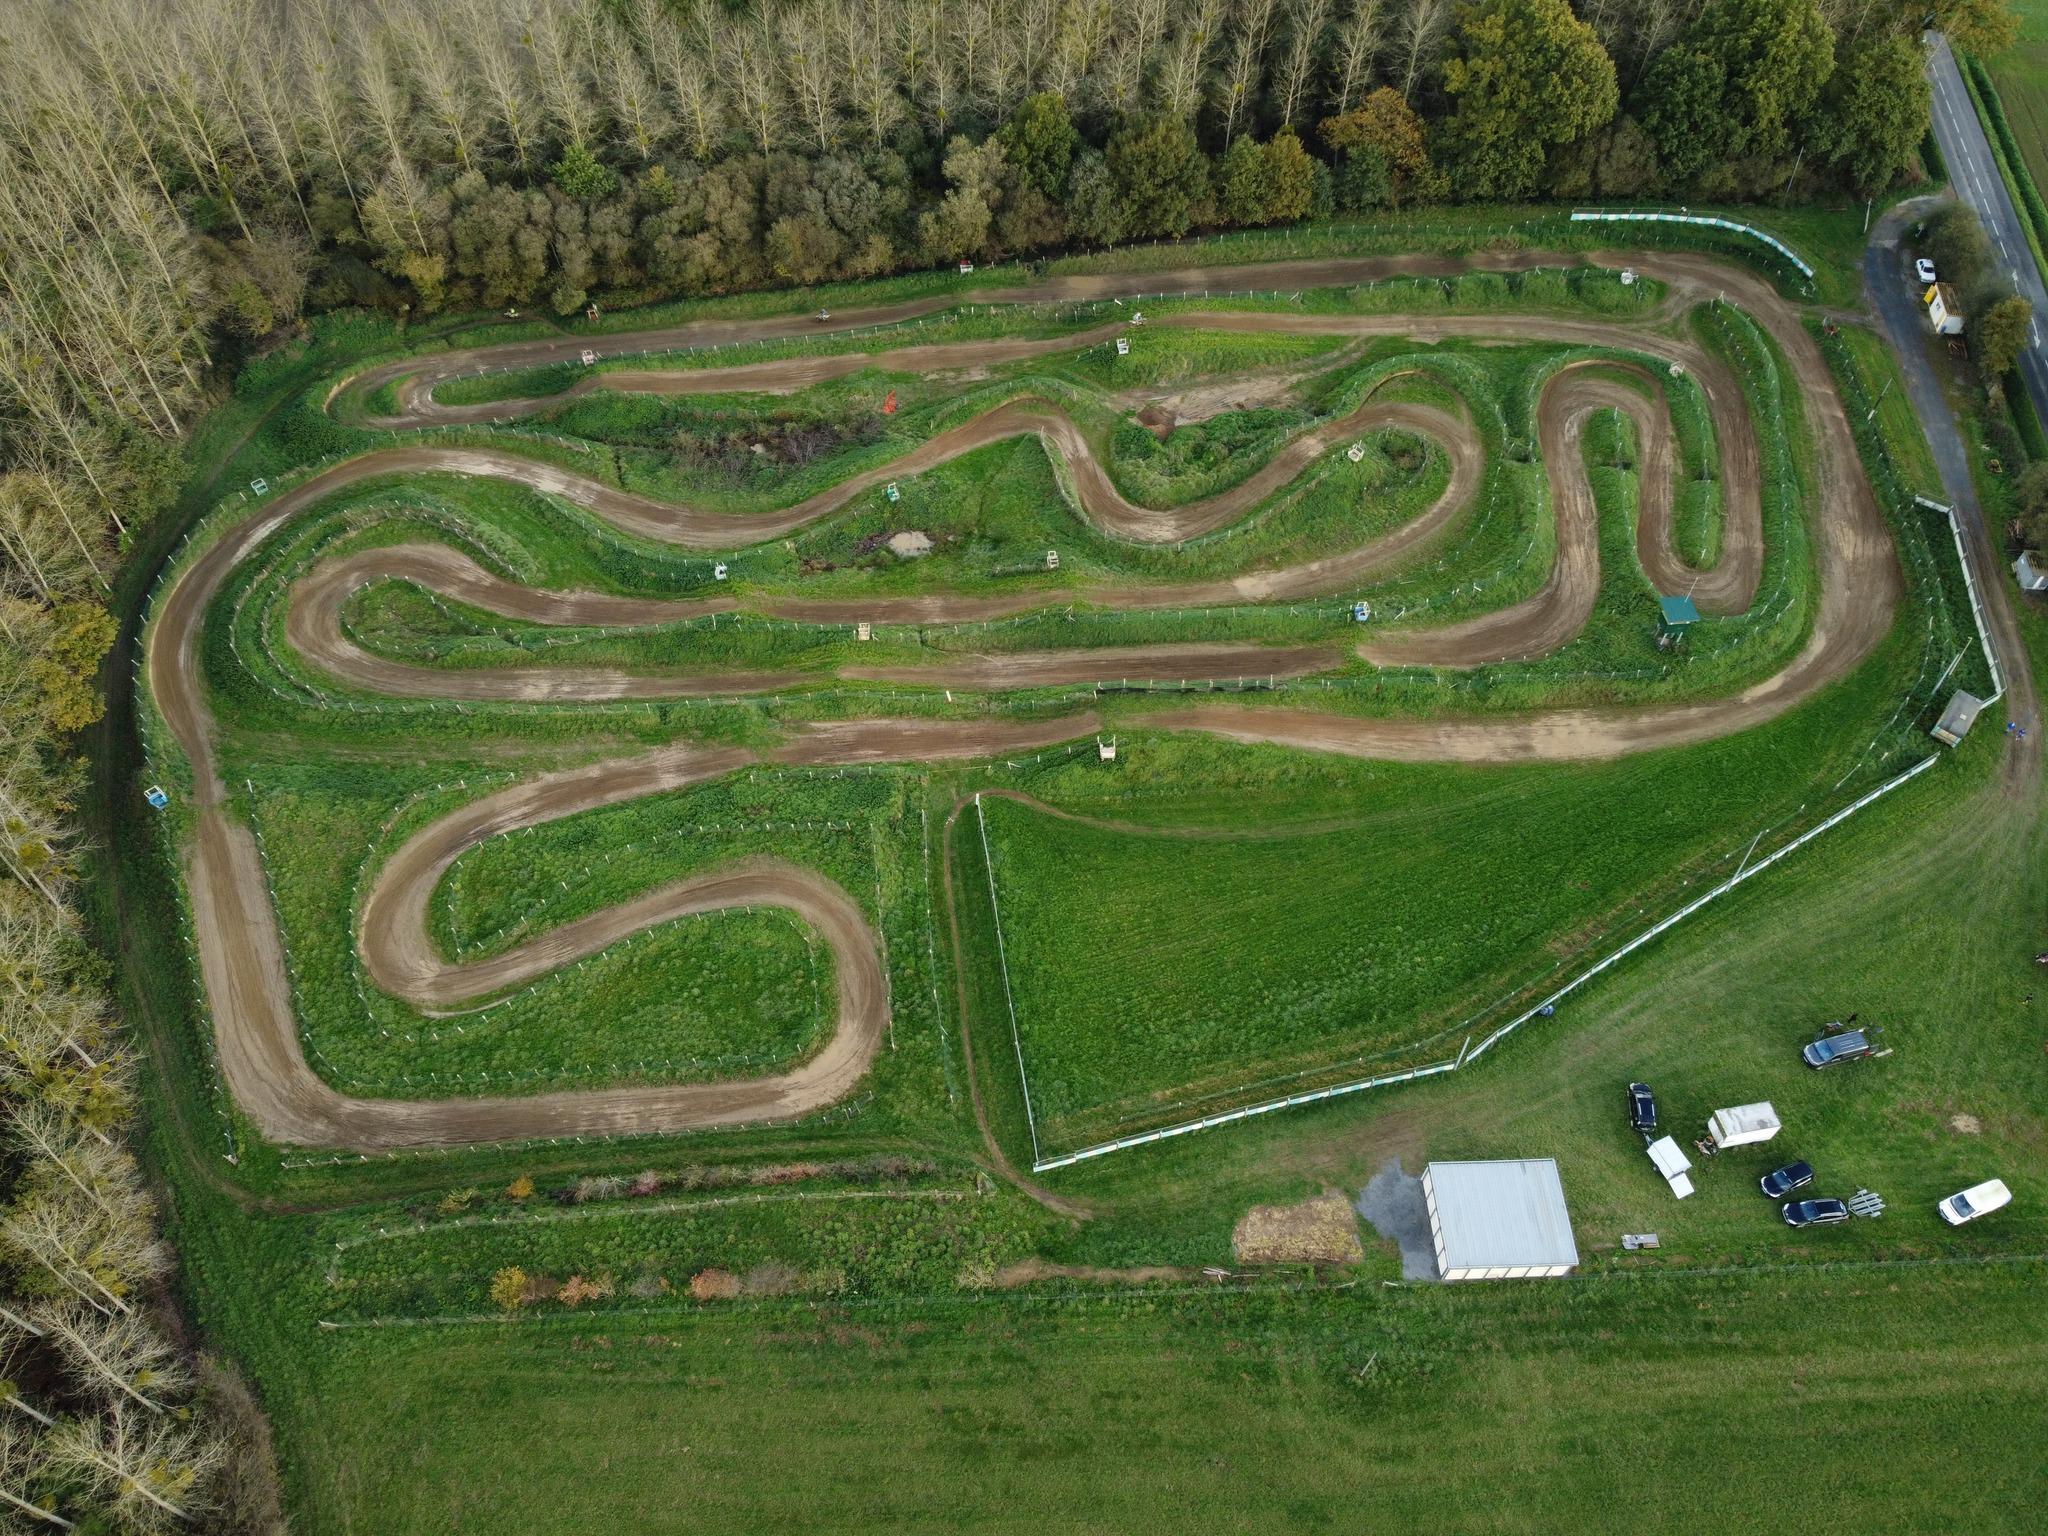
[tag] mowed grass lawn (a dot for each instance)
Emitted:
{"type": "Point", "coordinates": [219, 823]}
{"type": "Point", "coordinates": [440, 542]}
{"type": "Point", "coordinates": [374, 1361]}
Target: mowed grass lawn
{"type": "Point", "coordinates": [1817, 1403]}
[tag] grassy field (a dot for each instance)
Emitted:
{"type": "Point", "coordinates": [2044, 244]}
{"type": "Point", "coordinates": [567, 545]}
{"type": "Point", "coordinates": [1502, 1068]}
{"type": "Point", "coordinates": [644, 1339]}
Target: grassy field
{"type": "Point", "coordinates": [803, 1325]}
{"type": "Point", "coordinates": [2021, 76]}
{"type": "Point", "coordinates": [1497, 1412]}
{"type": "Point", "coordinates": [1684, 1383]}
{"type": "Point", "coordinates": [1155, 970]}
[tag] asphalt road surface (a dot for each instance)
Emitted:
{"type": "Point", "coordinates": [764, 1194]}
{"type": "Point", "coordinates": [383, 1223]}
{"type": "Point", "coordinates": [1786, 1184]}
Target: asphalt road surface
{"type": "Point", "coordinates": [1974, 174]}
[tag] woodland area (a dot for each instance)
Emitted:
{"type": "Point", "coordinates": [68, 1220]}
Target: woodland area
{"type": "Point", "coordinates": [181, 180]}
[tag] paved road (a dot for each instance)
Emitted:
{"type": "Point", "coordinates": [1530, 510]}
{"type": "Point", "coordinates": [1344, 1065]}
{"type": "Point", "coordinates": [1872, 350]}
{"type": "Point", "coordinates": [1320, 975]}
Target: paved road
{"type": "Point", "coordinates": [1893, 298]}
{"type": "Point", "coordinates": [1974, 174]}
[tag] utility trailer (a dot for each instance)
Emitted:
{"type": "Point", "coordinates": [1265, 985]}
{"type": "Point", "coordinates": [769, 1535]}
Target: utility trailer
{"type": "Point", "coordinates": [1673, 1164]}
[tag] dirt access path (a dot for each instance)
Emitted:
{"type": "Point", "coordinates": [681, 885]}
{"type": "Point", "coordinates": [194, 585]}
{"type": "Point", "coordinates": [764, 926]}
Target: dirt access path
{"type": "Point", "coordinates": [240, 947]}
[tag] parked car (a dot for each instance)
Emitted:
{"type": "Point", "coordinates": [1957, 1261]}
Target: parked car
{"type": "Point", "coordinates": [1977, 1200]}
{"type": "Point", "coordinates": [1829, 1049]}
{"type": "Point", "coordinates": [1924, 270]}
{"type": "Point", "coordinates": [1780, 1182]}
{"type": "Point", "coordinates": [1642, 1107]}
{"type": "Point", "coordinates": [1814, 1213]}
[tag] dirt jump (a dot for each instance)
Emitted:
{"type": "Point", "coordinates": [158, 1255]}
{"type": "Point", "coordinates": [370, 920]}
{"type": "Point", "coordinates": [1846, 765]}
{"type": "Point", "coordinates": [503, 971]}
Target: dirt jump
{"type": "Point", "coordinates": [236, 928]}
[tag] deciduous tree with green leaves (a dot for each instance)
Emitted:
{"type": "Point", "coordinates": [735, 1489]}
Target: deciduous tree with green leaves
{"type": "Point", "coordinates": [1161, 173]}
{"type": "Point", "coordinates": [1775, 57]}
{"type": "Point", "coordinates": [2000, 333]}
{"type": "Point", "coordinates": [1039, 140]}
{"type": "Point", "coordinates": [1874, 112]}
{"type": "Point", "coordinates": [1523, 76]}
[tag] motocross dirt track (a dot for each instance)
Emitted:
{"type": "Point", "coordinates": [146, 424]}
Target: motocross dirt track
{"type": "Point", "coordinates": [239, 943]}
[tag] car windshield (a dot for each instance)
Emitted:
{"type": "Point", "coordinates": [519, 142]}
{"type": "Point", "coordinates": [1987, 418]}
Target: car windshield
{"type": "Point", "coordinates": [1962, 1205]}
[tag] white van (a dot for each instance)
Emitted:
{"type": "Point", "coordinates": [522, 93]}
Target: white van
{"type": "Point", "coordinates": [1974, 1202]}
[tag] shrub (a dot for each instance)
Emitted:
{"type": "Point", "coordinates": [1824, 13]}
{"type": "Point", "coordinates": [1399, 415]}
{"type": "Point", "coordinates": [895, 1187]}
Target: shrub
{"type": "Point", "coordinates": [508, 1288]}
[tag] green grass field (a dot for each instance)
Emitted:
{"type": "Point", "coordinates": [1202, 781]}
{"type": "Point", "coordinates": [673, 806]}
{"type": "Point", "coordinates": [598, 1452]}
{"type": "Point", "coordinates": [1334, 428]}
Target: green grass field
{"type": "Point", "coordinates": [813, 1324]}
{"type": "Point", "coordinates": [2021, 76]}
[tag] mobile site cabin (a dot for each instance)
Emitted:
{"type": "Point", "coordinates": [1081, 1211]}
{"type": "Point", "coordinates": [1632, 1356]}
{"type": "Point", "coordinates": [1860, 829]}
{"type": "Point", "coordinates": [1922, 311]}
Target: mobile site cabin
{"type": "Point", "coordinates": [1956, 720]}
{"type": "Point", "coordinates": [1743, 1125]}
{"type": "Point", "coordinates": [1944, 309]}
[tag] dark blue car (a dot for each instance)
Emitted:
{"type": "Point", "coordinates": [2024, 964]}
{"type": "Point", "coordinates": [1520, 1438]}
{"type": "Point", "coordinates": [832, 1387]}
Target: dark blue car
{"type": "Point", "coordinates": [1781, 1182]}
{"type": "Point", "coordinates": [1814, 1213]}
{"type": "Point", "coordinates": [1642, 1107]}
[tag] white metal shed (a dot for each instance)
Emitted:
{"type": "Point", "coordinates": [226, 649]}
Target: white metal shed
{"type": "Point", "coordinates": [1499, 1220]}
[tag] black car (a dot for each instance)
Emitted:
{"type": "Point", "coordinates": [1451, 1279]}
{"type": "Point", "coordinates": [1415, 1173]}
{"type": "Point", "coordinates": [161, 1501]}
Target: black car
{"type": "Point", "coordinates": [1642, 1108]}
{"type": "Point", "coordinates": [1814, 1213]}
{"type": "Point", "coordinates": [1781, 1182]}
{"type": "Point", "coordinates": [1829, 1049]}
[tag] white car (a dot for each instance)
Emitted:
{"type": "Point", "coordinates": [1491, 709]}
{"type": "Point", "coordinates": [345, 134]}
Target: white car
{"type": "Point", "coordinates": [1924, 270]}
{"type": "Point", "coordinates": [1977, 1200]}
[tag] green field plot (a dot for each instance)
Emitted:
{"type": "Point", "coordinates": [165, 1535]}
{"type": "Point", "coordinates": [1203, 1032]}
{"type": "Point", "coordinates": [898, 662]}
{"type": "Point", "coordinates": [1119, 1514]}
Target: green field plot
{"type": "Point", "coordinates": [1157, 968]}
{"type": "Point", "coordinates": [2021, 76]}
{"type": "Point", "coordinates": [1337, 1405]}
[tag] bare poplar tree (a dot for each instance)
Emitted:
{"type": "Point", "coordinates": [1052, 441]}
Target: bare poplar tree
{"type": "Point", "coordinates": [444, 87]}
{"type": "Point", "coordinates": [1186, 64]}
{"type": "Point", "coordinates": [679, 51]}
{"type": "Point", "coordinates": [151, 1469]}
{"type": "Point", "coordinates": [557, 44]}
{"type": "Point", "coordinates": [748, 61]}
{"type": "Point", "coordinates": [1359, 37]}
{"type": "Point", "coordinates": [23, 1455]}
{"type": "Point", "coordinates": [115, 1359]}
{"type": "Point", "coordinates": [325, 87]}
{"type": "Point", "coordinates": [498, 64]}
{"type": "Point", "coordinates": [1418, 39]}
{"type": "Point", "coordinates": [1307, 22]}
{"type": "Point", "coordinates": [864, 35]}
{"type": "Point", "coordinates": [640, 115]}
{"type": "Point", "coordinates": [810, 72]}
{"type": "Point", "coordinates": [1243, 63]}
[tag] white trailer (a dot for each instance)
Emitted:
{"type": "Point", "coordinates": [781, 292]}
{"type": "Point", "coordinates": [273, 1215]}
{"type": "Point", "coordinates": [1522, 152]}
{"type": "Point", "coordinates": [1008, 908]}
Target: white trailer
{"type": "Point", "coordinates": [1742, 1125]}
{"type": "Point", "coordinates": [1673, 1164]}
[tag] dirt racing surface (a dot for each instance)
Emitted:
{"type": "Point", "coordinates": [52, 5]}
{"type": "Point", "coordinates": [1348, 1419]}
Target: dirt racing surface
{"type": "Point", "coordinates": [240, 948]}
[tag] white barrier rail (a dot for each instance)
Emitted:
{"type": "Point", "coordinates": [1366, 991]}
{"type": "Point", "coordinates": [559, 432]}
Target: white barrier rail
{"type": "Point", "coordinates": [1955, 528]}
{"type": "Point", "coordinates": [1604, 216]}
{"type": "Point", "coordinates": [1746, 871]}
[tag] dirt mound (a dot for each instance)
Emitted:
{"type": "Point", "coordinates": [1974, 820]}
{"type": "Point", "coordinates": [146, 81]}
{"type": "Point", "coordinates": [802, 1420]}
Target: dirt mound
{"type": "Point", "coordinates": [714, 1285]}
{"type": "Point", "coordinates": [1318, 1231]}
{"type": "Point", "coordinates": [1157, 420]}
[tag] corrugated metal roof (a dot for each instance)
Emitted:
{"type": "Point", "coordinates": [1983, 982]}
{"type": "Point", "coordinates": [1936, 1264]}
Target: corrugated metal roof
{"type": "Point", "coordinates": [1961, 713]}
{"type": "Point", "coordinates": [1508, 1214]}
